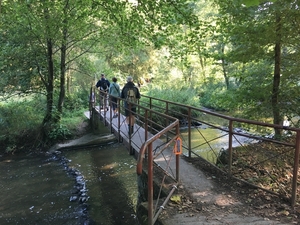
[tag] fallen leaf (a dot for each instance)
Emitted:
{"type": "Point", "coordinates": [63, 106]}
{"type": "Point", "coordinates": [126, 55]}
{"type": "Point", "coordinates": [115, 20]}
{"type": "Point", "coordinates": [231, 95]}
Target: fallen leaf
{"type": "Point", "coordinates": [176, 199]}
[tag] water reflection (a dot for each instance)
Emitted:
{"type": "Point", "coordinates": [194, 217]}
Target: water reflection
{"type": "Point", "coordinates": [205, 142]}
{"type": "Point", "coordinates": [208, 142]}
{"type": "Point", "coordinates": [111, 181]}
{"type": "Point", "coordinates": [37, 190]}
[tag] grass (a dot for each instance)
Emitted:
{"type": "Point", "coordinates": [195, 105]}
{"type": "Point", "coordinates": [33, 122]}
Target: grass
{"type": "Point", "coordinates": [21, 119]}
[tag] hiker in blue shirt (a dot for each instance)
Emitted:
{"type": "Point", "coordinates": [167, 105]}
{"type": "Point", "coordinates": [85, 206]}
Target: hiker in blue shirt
{"type": "Point", "coordinates": [114, 92]}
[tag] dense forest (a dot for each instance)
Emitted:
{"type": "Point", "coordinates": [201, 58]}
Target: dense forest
{"type": "Point", "coordinates": [239, 56]}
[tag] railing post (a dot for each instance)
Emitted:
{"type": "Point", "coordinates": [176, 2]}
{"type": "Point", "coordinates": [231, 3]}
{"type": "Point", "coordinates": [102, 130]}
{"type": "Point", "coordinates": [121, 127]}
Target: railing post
{"type": "Point", "coordinates": [189, 133]}
{"type": "Point", "coordinates": [177, 157]}
{"type": "Point", "coordinates": [146, 125]}
{"type": "Point", "coordinates": [150, 185]}
{"type": "Point", "coordinates": [150, 125]}
{"type": "Point", "coordinates": [99, 94]}
{"type": "Point", "coordinates": [110, 114]}
{"type": "Point", "coordinates": [104, 107]}
{"type": "Point", "coordinates": [230, 146]}
{"type": "Point", "coordinates": [167, 121]}
{"type": "Point", "coordinates": [295, 172]}
{"type": "Point", "coordinates": [91, 101]}
{"type": "Point", "coordinates": [150, 103]}
{"type": "Point", "coordinates": [130, 133]}
{"type": "Point", "coordinates": [119, 120]}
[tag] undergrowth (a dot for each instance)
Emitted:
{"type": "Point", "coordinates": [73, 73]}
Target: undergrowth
{"type": "Point", "coordinates": [21, 123]}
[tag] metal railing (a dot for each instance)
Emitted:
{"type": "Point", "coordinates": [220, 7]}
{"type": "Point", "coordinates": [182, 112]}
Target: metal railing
{"type": "Point", "coordinates": [155, 134]}
{"type": "Point", "coordinates": [236, 139]}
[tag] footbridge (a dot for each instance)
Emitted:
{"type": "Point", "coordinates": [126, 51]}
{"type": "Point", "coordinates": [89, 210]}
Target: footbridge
{"type": "Point", "coordinates": [165, 132]}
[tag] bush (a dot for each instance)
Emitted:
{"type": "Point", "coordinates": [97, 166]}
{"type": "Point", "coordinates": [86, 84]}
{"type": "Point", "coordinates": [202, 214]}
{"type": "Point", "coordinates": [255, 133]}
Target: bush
{"type": "Point", "coordinates": [74, 102]}
{"type": "Point", "coordinates": [59, 132]}
{"type": "Point", "coordinates": [213, 95]}
{"type": "Point", "coordinates": [186, 96]}
{"type": "Point", "coordinates": [21, 119]}
{"type": "Point", "coordinates": [19, 116]}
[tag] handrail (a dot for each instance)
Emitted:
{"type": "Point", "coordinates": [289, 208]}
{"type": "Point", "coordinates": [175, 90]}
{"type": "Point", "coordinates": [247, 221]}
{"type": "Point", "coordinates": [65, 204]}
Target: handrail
{"type": "Point", "coordinates": [219, 115]}
{"type": "Point", "coordinates": [151, 140]}
{"type": "Point", "coordinates": [151, 105]}
{"type": "Point", "coordinates": [169, 129]}
{"type": "Point", "coordinates": [229, 129]}
{"type": "Point", "coordinates": [147, 145]}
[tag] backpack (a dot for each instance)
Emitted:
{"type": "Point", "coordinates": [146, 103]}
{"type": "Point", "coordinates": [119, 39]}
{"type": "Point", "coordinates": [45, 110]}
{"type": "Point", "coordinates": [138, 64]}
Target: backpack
{"type": "Point", "coordinates": [104, 85]}
{"type": "Point", "coordinates": [131, 96]}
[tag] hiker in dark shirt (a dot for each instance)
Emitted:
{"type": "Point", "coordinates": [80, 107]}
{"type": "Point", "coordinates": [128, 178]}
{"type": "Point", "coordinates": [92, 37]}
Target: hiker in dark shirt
{"type": "Point", "coordinates": [130, 101]}
{"type": "Point", "coordinates": [103, 84]}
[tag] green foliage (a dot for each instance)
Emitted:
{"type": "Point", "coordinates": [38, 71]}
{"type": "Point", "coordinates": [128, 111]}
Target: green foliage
{"type": "Point", "coordinates": [223, 54]}
{"type": "Point", "coordinates": [58, 132]}
{"type": "Point", "coordinates": [22, 117]}
{"type": "Point", "coordinates": [213, 95]}
{"type": "Point", "coordinates": [250, 99]}
{"type": "Point", "coordinates": [74, 107]}
{"type": "Point", "coordinates": [76, 101]}
{"type": "Point", "coordinates": [19, 117]}
{"type": "Point", "coordinates": [183, 95]}
{"type": "Point", "coordinates": [67, 127]}
{"type": "Point", "coordinates": [174, 92]}
{"type": "Point", "coordinates": [254, 2]}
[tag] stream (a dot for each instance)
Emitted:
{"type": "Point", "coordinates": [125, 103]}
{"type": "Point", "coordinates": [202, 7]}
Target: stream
{"type": "Point", "coordinates": [39, 189]}
{"type": "Point", "coordinates": [80, 186]}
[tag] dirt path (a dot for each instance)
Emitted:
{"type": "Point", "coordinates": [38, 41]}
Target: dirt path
{"type": "Point", "coordinates": [207, 197]}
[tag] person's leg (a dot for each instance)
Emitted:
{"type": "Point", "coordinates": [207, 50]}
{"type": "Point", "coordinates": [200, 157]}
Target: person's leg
{"type": "Point", "coordinates": [106, 102]}
{"type": "Point", "coordinates": [114, 105]}
{"type": "Point", "coordinates": [127, 114]}
{"type": "Point", "coordinates": [128, 120]}
{"type": "Point", "coordinates": [132, 120]}
{"type": "Point", "coordinates": [117, 106]}
{"type": "Point", "coordinates": [101, 100]}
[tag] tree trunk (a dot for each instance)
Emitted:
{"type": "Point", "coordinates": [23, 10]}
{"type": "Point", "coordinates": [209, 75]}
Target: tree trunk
{"type": "Point", "coordinates": [202, 64]}
{"type": "Point", "coordinates": [223, 67]}
{"type": "Point", "coordinates": [49, 83]}
{"type": "Point", "coordinates": [68, 82]}
{"type": "Point", "coordinates": [278, 118]}
{"type": "Point", "coordinates": [62, 92]}
{"type": "Point", "coordinates": [63, 53]}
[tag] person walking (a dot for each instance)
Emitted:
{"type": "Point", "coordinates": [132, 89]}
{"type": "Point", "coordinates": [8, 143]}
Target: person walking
{"type": "Point", "coordinates": [103, 84]}
{"type": "Point", "coordinates": [114, 93]}
{"type": "Point", "coordinates": [130, 94]}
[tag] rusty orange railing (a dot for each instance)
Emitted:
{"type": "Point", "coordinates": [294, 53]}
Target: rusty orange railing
{"type": "Point", "coordinates": [233, 135]}
{"type": "Point", "coordinates": [160, 132]}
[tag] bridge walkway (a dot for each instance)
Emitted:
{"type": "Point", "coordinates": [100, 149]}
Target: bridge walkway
{"type": "Point", "coordinates": [200, 187]}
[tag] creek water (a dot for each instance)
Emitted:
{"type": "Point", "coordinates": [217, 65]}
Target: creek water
{"type": "Point", "coordinates": [211, 141]}
{"type": "Point", "coordinates": [39, 189]}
